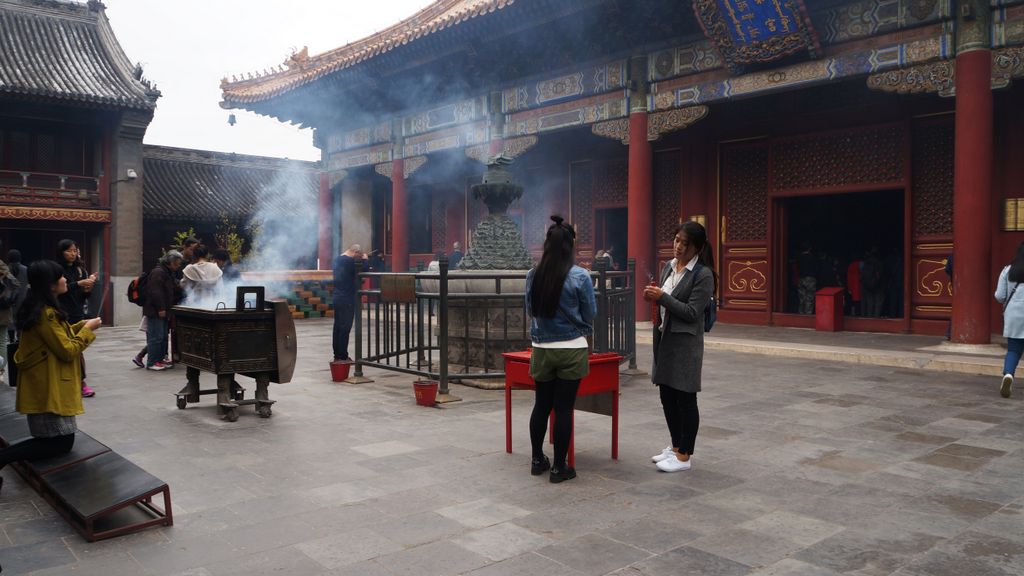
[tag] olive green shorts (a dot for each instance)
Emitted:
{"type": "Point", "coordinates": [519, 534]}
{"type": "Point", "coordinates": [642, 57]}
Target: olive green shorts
{"type": "Point", "coordinates": [546, 364]}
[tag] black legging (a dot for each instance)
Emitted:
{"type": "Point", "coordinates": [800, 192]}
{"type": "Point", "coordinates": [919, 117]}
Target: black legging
{"type": "Point", "coordinates": [682, 417]}
{"type": "Point", "coordinates": [37, 449]}
{"type": "Point", "coordinates": [560, 395]}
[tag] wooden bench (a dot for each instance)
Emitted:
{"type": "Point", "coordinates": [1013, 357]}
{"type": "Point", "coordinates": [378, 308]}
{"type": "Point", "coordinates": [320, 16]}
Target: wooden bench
{"type": "Point", "coordinates": [99, 492]}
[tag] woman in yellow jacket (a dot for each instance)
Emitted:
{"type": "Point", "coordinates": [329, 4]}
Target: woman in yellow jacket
{"type": "Point", "coordinates": [49, 373]}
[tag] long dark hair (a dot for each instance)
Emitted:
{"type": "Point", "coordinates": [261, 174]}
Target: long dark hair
{"type": "Point", "coordinates": [1017, 266]}
{"type": "Point", "coordinates": [42, 275]}
{"type": "Point", "coordinates": [697, 236]}
{"type": "Point", "coordinates": [546, 289]}
{"type": "Point", "coordinates": [65, 265]}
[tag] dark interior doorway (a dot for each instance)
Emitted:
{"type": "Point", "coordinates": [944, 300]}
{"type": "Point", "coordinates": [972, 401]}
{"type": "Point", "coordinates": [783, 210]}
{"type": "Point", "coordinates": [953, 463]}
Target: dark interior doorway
{"type": "Point", "coordinates": [610, 232]}
{"type": "Point", "coordinates": [851, 240]}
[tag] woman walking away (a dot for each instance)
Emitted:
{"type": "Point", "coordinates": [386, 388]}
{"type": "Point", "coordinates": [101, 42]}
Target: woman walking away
{"type": "Point", "coordinates": [1013, 317]}
{"type": "Point", "coordinates": [688, 282]}
{"type": "Point", "coordinates": [80, 284]}
{"type": "Point", "coordinates": [49, 386]}
{"type": "Point", "coordinates": [560, 300]}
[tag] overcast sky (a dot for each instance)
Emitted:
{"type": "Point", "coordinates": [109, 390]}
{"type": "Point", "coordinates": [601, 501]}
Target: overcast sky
{"type": "Point", "coordinates": [187, 46]}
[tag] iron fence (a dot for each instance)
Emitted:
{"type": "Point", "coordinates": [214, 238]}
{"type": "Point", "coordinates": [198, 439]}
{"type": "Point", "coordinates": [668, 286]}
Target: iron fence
{"type": "Point", "coordinates": [453, 327]}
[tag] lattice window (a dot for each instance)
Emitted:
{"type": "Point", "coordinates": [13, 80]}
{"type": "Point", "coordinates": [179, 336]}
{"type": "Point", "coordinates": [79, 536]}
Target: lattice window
{"type": "Point", "coordinates": [611, 183]}
{"type": "Point", "coordinates": [46, 153]}
{"type": "Point", "coordinates": [933, 179]}
{"type": "Point", "coordinates": [582, 206]}
{"type": "Point", "coordinates": [667, 183]}
{"type": "Point", "coordinates": [439, 221]}
{"type": "Point", "coordinates": [745, 181]}
{"type": "Point", "coordinates": [860, 157]}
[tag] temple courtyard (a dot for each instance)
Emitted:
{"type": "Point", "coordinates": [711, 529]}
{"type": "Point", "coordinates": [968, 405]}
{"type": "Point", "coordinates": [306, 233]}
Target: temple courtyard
{"type": "Point", "coordinates": [807, 467]}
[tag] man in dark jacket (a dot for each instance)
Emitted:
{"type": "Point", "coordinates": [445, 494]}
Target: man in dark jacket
{"type": "Point", "coordinates": [346, 290]}
{"type": "Point", "coordinates": [161, 295]}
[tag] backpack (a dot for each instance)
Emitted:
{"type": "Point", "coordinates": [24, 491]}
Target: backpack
{"type": "Point", "coordinates": [710, 311]}
{"type": "Point", "coordinates": [137, 289]}
{"type": "Point", "coordinates": [8, 291]}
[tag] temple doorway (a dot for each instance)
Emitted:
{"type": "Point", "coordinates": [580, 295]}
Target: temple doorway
{"type": "Point", "coordinates": [852, 240]}
{"type": "Point", "coordinates": [610, 233]}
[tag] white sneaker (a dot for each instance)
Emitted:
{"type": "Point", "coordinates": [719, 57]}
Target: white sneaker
{"type": "Point", "coordinates": [668, 452]}
{"type": "Point", "coordinates": [1006, 388]}
{"type": "Point", "coordinates": [673, 465]}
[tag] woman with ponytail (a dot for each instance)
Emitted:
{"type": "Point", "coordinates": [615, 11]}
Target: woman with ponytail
{"type": "Point", "coordinates": [560, 300]}
{"type": "Point", "coordinates": [688, 283]}
{"type": "Point", "coordinates": [49, 369]}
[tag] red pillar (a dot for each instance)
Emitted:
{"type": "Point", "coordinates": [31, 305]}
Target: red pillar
{"type": "Point", "coordinates": [325, 219]}
{"type": "Point", "coordinates": [641, 207]}
{"type": "Point", "coordinates": [399, 218]}
{"type": "Point", "coordinates": [972, 199]}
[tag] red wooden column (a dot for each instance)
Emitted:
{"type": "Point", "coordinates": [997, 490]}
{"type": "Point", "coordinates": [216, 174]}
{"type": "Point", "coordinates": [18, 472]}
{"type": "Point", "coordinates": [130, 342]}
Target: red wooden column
{"type": "Point", "coordinates": [640, 196]}
{"type": "Point", "coordinates": [972, 199]}
{"type": "Point", "coordinates": [399, 218]}
{"type": "Point", "coordinates": [325, 219]}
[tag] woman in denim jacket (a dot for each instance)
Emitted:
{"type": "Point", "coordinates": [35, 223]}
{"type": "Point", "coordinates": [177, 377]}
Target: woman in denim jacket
{"type": "Point", "coordinates": [560, 300]}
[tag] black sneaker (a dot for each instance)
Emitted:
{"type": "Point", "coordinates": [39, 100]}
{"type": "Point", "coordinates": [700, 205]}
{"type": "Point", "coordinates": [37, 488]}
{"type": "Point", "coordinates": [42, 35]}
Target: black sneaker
{"type": "Point", "coordinates": [562, 475]}
{"type": "Point", "coordinates": [540, 465]}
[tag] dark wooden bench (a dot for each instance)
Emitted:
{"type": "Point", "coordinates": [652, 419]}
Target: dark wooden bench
{"type": "Point", "coordinates": [99, 492]}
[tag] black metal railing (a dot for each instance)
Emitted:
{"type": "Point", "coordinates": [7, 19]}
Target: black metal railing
{"type": "Point", "coordinates": [446, 327]}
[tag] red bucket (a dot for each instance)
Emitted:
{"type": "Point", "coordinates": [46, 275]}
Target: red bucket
{"type": "Point", "coordinates": [340, 369]}
{"type": "Point", "coordinates": [426, 392]}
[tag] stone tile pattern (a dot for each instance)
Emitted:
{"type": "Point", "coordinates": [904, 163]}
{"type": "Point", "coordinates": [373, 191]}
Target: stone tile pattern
{"type": "Point", "coordinates": [802, 467]}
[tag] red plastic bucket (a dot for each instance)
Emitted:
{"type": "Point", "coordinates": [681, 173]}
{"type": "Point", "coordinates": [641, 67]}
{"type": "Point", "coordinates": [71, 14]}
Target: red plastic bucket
{"type": "Point", "coordinates": [340, 369]}
{"type": "Point", "coordinates": [426, 392]}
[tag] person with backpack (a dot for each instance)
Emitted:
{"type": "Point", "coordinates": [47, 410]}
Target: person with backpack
{"type": "Point", "coordinates": [161, 295]}
{"type": "Point", "coordinates": [561, 303]}
{"type": "Point", "coordinates": [1012, 299]}
{"type": "Point", "coordinates": [686, 291]}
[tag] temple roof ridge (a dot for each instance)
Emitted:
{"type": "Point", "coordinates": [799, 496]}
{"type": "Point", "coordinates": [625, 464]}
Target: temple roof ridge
{"type": "Point", "coordinates": [300, 68]}
{"type": "Point", "coordinates": [83, 60]}
{"type": "Point", "coordinates": [174, 153]}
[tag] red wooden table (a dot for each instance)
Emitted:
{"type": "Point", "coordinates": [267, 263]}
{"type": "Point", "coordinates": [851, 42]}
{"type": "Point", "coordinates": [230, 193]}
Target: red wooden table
{"type": "Point", "coordinates": [603, 377]}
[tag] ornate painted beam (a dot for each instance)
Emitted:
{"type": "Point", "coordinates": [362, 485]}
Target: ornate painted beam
{"type": "Point", "coordinates": [939, 77]}
{"type": "Point", "coordinates": [511, 148]}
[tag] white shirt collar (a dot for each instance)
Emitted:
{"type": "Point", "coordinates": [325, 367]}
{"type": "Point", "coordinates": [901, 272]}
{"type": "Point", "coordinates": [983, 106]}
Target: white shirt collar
{"type": "Point", "coordinates": [690, 266]}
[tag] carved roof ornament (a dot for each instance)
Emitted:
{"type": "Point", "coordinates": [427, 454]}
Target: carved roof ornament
{"type": "Point", "coordinates": [932, 77]}
{"type": "Point", "coordinates": [511, 148]}
{"type": "Point", "coordinates": [1007, 64]}
{"type": "Point", "coordinates": [384, 169]}
{"type": "Point", "coordinates": [614, 129]}
{"type": "Point", "coordinates": [410, 165]}
{"type": "Point", "coordinates": [940, 77]}
{"type": "Point", "coordinates": [298, 60]}
{"type": "Point", "coordinates": [658, 124]}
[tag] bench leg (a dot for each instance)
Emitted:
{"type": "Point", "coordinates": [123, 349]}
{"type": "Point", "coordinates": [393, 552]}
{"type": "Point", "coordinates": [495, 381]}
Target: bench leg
{"type": "Point", "coordinates": [508, 418]}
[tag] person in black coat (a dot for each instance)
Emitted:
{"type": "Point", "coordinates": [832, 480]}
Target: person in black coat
{"type": "Point", "coordinates": [161, 296]}
{"type": "Point", "coordinates": [80, 285]}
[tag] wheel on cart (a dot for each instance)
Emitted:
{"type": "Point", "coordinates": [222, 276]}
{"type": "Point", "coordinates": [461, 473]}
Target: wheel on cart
{"type": "Point", "coordinates": [181, 402]}
{"type": "Point", "coordinates": [231, 414]}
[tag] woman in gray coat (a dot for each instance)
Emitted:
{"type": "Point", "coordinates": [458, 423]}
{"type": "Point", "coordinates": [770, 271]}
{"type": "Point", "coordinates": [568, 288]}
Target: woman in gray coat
{"type": "Point", "coordinates": [1013, 317]}
{"type": "Point", "coordinates": [688, 282]}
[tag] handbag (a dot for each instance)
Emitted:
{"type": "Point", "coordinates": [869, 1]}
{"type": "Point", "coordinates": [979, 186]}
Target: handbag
{"type": "Point", "coordinates": [710, 312]}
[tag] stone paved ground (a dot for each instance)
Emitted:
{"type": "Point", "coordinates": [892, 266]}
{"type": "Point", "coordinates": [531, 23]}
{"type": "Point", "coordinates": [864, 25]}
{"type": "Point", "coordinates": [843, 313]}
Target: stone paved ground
{"type": "Point", "coordinates": [802, 467]}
